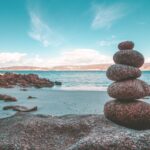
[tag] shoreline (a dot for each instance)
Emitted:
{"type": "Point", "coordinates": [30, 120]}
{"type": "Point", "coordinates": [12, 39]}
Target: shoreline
{"type": "Point", "coordinates": [56, 102]}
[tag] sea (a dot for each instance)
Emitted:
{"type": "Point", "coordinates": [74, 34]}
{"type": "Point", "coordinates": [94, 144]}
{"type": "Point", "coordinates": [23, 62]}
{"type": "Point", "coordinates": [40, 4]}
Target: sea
{"type": "Point", "coordinates": [82, 92]}
{"type": "Point", "coordinates": [79, 80]}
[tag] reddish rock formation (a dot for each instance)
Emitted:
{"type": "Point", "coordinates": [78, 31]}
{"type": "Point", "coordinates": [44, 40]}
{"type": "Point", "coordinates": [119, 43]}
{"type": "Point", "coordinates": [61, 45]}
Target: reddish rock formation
{"type": "Point", "coordinates": [126, 45]}
{"type": "Point", "coordinates": [120, 72]}
{"type": "Point", "coordinates": [129, 57]}
{"type": "Point", "coordinates": [135, 114]}
{"type": "Point", "coordinates": [9, 80]}
{"type": "Point", "coordinates": [7, 98]}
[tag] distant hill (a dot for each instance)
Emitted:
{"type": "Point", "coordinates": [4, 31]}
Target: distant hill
{"type": "Point", "coordinates": [146, 67]}
{"type": "Point", "coordinates": [83, 67]}
{"type": "Point", "coordinates": [102, 67]}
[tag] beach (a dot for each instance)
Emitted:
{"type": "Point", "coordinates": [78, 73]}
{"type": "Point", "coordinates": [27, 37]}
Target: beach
{"type": "Point", "coordinates": [56, 102]}
{"type": "Point", "coordinates": [67, 118]}
{"type": "Point", "coordinates": [81, 92]}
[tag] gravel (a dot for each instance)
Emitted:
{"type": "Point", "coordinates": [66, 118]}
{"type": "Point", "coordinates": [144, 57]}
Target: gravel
{"type": "Point", "coordinates": [25, 131]}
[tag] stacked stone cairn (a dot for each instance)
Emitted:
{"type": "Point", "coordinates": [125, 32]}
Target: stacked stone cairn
{"type": "Point", "coordinates": [126, 109]}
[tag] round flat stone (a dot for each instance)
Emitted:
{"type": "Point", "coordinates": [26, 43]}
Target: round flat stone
{"type": "Point", "coordinates": [128, 57]}
{"type": "Point", "coordinates": [129, 89]}
{"type": "Point", "coordinates": [126, 45]}
{"type": "Point", "coordinates": [135, 114]}
{"type": "Point", "coordinates": [120, 72]}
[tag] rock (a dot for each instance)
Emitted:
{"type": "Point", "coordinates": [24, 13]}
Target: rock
{"type": "Point", "coordinates": [126, 110]}
{"type": "Point", "coordinates": [8, 107]}
{"type": "Point", "coordinates": [58, 83]}
{"type": "Point", "coordinates": [23, 89]}
{"type": "Point", "coordinates": [135, 114]}
{"type": "Point", "coordinates": [31, 97]}
{"type": "Point", "coordinates": [69, 132]}
{"type": "Point", "coordinates": [129, 89]}
{"type": "Point", "coordinates": [25, 109]}
{"type": "Point", "coordinates": [120, 72]}
{"type": "Point", "coordinates": [126, 45]}
{"type": "Point", "coordinates": [7, 98]}
{"type": "Point", "coordinates": [20, 108]}
{"type": "Point", "coordinates": [129, 57]}
{"type": "Point", "coordinates": [24, 81]}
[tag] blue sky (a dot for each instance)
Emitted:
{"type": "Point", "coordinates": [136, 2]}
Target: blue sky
{"type": "Point", "coordinates": [70, 32]}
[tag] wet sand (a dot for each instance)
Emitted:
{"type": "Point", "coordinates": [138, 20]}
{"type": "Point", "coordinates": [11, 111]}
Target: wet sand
{"type": "Point", "coordinates": [56, 102]}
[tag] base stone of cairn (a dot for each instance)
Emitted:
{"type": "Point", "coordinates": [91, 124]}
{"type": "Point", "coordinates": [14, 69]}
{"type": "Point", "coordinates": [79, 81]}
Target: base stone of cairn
{"type": "Point", "coordinates": [125, 109]}
{"type": "Point", "coordinates": [132, 114]}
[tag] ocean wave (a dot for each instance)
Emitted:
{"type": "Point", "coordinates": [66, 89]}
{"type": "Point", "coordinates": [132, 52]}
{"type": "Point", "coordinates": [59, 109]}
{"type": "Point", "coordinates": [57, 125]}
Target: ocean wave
{"type": "Point", "coordinates": [82, 88]}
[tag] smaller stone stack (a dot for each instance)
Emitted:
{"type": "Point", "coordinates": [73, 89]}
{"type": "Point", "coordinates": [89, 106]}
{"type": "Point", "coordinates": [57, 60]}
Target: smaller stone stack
{"type": "Point", "coordinates": [126, 110]}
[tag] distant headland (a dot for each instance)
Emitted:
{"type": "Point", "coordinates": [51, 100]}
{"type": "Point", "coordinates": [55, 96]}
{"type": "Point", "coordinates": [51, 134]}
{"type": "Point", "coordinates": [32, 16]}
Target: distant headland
{"type": "Point", "coordinates": [93, 67]}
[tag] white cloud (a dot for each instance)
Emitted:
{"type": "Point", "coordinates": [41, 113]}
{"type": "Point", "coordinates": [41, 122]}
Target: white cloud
{"type": "Point", "coordinates": [142, 23]}
{"type": "Point", "coordinates": [74, 57]}
{"type": "Point", "coordinates": [108, 42]}
{"type": "Point", "coordinates": [9, 58]}
{"type": "Point", "coordinates": [103, 43]}
{"type": "Point", "coordinates": [83, 57]}
{"type": "Point", "coordinates": [105, 16]}
{"type": "Point", "coordinates": [147, 60]}
{"type": "Point", "coordinates": [42, 32]}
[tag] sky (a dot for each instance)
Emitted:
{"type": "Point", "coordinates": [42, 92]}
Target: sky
{"type": "Point", "coordinates": [70, 32]}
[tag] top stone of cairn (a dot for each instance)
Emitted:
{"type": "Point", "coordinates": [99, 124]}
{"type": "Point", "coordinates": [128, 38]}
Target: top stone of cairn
{"type": "Point", "coordinates": [126, 45]}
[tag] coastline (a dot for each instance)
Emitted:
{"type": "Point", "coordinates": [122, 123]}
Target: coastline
{"type": "Point", "coordinates": [73, 116]}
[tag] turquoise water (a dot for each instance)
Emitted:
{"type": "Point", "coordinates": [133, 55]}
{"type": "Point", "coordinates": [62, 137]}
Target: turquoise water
{"type": "Point", "coordinates": [80, 93]}
{"type": "Point", "coordinates": [79, 80]}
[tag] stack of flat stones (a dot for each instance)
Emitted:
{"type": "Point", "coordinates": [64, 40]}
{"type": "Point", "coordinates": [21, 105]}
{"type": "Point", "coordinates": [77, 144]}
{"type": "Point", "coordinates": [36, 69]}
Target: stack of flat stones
{"type": "Point", "coordinates": [126, 109]}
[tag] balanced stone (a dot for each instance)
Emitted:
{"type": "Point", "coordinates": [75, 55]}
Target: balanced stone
{"type": "Point", "coordinates": [129, 57]}
{"type": "Point", "coordinates": [120, 72]}
{"type": "Point", "coordinates": [129, 89]}
{"type": "Point", "coordinates": [134, 114]}
{"type": "Point", "coordinates": [126, 110]}
{"type": "Point", "coordinates": [126, 45]}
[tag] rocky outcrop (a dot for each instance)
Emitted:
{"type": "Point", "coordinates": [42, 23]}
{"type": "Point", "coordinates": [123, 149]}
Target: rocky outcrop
{"type": "Point", "coordinates": [9, 80]}
{"type": "Point", "coordinates": [70, 132]}
{"type": "Point", "coordinates": [7, 98]}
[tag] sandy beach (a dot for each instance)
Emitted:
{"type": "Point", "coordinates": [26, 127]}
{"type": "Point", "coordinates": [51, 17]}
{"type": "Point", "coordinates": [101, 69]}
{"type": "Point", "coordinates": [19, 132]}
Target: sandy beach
{"type": "Point", "coordinates": [56, 102]}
